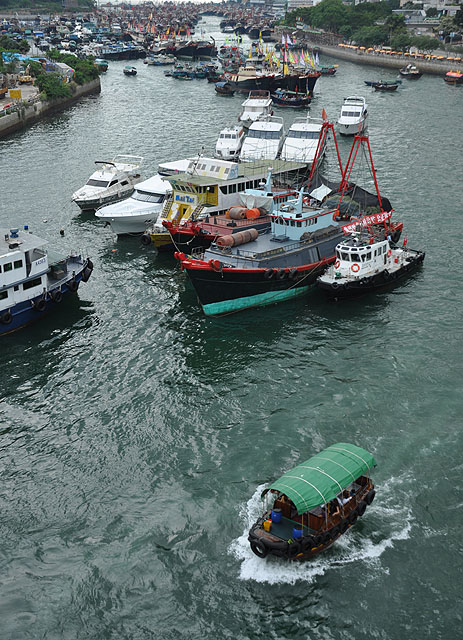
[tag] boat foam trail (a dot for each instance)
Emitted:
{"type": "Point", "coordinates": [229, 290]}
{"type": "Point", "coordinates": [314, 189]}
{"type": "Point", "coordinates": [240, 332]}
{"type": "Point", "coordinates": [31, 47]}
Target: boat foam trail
{"type": "Point", "coordinates": [353, 547]}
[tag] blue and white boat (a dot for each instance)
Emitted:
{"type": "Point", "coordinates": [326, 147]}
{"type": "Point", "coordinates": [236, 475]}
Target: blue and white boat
{"type": "Point", "coordinates": [32, 282]}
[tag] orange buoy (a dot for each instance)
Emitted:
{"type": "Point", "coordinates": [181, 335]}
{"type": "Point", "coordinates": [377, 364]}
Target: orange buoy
{"type": "Point", "coordinates": [252, 214]}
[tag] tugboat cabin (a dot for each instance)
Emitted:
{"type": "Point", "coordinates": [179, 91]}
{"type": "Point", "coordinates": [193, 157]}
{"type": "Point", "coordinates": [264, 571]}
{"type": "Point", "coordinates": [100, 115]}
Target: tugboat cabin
{"type": "Point", "coordinates": [309, 507]}
{"type": "Point", "coordinates": [367, 256]}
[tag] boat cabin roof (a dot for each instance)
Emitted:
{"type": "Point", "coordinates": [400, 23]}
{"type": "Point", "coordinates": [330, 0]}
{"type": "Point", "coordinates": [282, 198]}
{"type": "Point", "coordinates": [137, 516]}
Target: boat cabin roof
{"type": "Point", "coordinates": [217, 174]}
{"type": "Point", "coordinates": [320, 479]}
{"type": "Point", "coordinates": [24, 241]}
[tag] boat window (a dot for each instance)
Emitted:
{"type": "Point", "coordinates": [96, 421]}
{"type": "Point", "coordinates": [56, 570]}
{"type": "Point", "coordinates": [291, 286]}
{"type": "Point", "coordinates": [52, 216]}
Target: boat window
{"type": "Point", "coordinates": [224, 190]}
{"type": "Point", "coordinates": [232, 188]}
{"type": "Point", "coordinates": [363, 256]}
{"type": "Point", "coordinates": [264, 135]}
{"type": "Point", "coordinates": [298, 223]}
{"type": "Point", "coordinates": [145, 196]}
{"type": "Point", "coordinates": [351, 114]}
{"type": "Point", "coordinates": [306, 135]}
{"type": "Point", "coordinates": [32, 283]}
{"type": "Point", "coordinates": [369, 255]}
{"type": "Point", "coordinates": [3, 295]}
{"type": "Point", "coordinates": [97, 183]}
{"type": "Point", "coordinates": [124, 183]}
{"type": "Point", "coordinates": [240, 186]}
{"type": "Point", "coordinates": [7, 267]}
{"type": "Point", "coordinates": [355, 258]}
{"type": "Point", "coordinates": [384, 248]}
{"type": "Point", "coordinates": [18, 264]}
{"type": "Point", "coordinates": [112, 183]}
{"type": "Point", "coordinates": [345, 256]}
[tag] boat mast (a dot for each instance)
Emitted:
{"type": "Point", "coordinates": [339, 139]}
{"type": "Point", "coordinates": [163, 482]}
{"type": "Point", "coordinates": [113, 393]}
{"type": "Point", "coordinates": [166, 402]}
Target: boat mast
{"type": "Point", "coordinates": [356, 144]}
{"type": "Point", "coordinates": [326, 127]}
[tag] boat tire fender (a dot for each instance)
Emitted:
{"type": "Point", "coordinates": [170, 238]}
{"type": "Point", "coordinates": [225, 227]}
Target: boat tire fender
{"type": "Point", "coordinates": [386, 275]}
{"type": "Point", "coordinates": [269, 274]}
{"type": "Point", "coordinates": [281, 275]}
{"type": "Point", "coordinates": [87, 272]}
{"type": "Point", "coordinates": [56, 296]}
{"type": "Point", "coordinates": [73, 285]}
{"type": "Point", "coordinates": [6, 317]}
{"type": "Point", "coordinates": [39, 305]}
{"type": "Point", "coordinates": [335, 285]}
{"type": "Point", "coordinates": [370, 496]}
{"type": "Point", "coordinates": [326, 538]}
{"type": "Point", "coordinates": [361, 508]}
{"type": "Point", "coordinates": [335, 531]}
{"type": "Point", "coordinates": [307, 544]}
{"type": "Point", "coordinates": [259, 549]}
{"type": "Point", "coordinates": [293, 273]}
{"type": "Point", "coordinates": [344, 525]}
{"type": "Point", "coordinates": [352, 519]}
{"type": "Point", "coordinates": [145, 239]}
{"type": "Point", "coordinates": [294, 548]}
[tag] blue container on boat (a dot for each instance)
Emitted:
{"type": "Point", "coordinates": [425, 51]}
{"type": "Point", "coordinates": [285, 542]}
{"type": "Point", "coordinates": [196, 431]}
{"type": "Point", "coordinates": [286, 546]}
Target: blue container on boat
{"type": "Point", "coordinates": [297, 533]}
{"type": "Point", "coordinates": [276, 515]}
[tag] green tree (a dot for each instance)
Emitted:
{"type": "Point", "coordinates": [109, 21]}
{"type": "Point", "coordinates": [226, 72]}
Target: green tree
{"type": "Point", "coordinates": [432, 12]}
{"type": "Point", "coordinates": [52, 85]}
{"type": "Point", "coordinates": [401, 42]}
{"type": "Point", "coordinates": [330, 15]}
{"type": "Point", "coordinates": [447, 25]}
{"type": "Point", "coordinates": [425, 43]}
{"type": "Point", "coordinates": [369, 36]}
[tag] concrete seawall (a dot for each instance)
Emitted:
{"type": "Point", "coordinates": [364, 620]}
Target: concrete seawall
{"type": "Point", "coordinates": [27, 115]}
{"type": "Point", "coordinates": [434, 67]}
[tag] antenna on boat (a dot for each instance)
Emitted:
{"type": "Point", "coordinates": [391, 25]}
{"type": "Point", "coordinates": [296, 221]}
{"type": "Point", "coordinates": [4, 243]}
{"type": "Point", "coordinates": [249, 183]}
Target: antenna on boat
{"type": "Point", "coordinates": [195, 164]}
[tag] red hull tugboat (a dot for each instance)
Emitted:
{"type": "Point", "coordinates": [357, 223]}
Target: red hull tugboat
{"type": "Point", "coordinates": [312, 505]}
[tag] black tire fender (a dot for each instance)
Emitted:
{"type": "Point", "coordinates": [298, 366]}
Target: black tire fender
{"type": "Point", "coordinates": [294, 272]}
{"type": "Point", "coordinates": [307, 544]}
{"type": "Point", "coordinates": [361, 508]}
{"type": "Point", "coordinates": [370, 496]}
{"type": "Point", "coordinates": [269, 273]}
{"type": "Point", "coordinates": [335, 285]}
{"type": "Point", "coordinates": [6, 318]}
{"type": "Point", "coordinates": [259, 548]}
{"type": "Point", "coordinates": [344, 525]}
{"type": "Point", "coordinates": [145, 239]}
{"type": "Point", "coordinates": [281, 275]}
{"type": "Point", "coordinates": [352, 519]}
{"type": "Point", "coordinates": [386, 275]}
{"type": "Point", "coordinates": [39, 305]}
{"type": "Point", "coordinates": [73, 285]}
{"type": "Point", "coordinates": [335, 531]}
{"type": "Point", "coordinates": [294, 548]}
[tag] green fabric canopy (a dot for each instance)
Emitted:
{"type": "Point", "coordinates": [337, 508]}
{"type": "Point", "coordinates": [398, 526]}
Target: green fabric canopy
{"type": "Point", "coordinates": [319, 479]}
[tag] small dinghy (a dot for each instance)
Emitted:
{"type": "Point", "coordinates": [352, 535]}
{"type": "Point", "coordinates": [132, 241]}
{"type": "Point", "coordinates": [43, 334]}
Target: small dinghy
{"type": "Point", "coordinates": [129, 70]}
{"type": "Point", "coordinates": [224, 89]}
{"type": "Point", "coordinates": [312, 505]}
{"type": "Point", "coordinates": [386, 86]}
{"type": "Point", "coordinates": [366, 262]}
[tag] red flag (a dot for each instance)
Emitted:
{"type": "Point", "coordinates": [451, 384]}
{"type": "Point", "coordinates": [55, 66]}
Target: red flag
{"type": "Point", "coordinates": [405, 242]}
{"type": "Point", "coordinates": [324, 114]}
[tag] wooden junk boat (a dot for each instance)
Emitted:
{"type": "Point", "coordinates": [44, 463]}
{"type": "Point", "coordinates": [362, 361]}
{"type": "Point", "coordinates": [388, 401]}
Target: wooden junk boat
{"type": "Point", "coordinates": [454, 77]}
{"type": "Point", "coordinates": [312, 505]}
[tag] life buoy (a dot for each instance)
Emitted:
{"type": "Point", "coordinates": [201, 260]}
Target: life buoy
{"type": "Point", "coordinates": [73, 285]}
{"type": "Point", "coordinates": [361, 508]}
{"type": "Point", "coordinates": [355, 267]}
{"type": "Point", "coordinates": [6, 317]}
{"type": "Point", "coordinates": [388, 253]}
{"type": "Point", "coordinates": [146, 239]}
{"type": "Point", "coordinates": [307, 544]}
{"type": "Point", "coordinates": [39, 305]}
{"type": "Point", "coordinates": [269, 273]}
{"type": "Point", "coordinates": [259, 549]}
{"type": "Point", "coordinates": [56, 296]}
{"type": "Point", "coordinates": [370, 496]}
{"type": "Point", "coordinates": [337, 264]}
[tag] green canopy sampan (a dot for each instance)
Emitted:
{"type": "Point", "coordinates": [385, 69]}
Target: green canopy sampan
{"type": "Point", "coordinates": [315, 503]}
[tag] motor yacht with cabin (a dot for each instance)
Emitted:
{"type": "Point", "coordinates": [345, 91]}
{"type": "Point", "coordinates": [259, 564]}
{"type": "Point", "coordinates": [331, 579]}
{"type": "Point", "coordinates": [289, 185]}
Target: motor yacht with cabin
{"type": "Point", "coordinates": [354, 115]}
{"type": "Point", "coordinates": [142, 208]}
{"type": "Point", "coordinates": [257, 104]}
{"type": "Point", "coordinates": [34, 281]}
{"type": "Point", "coordinates": [301, 142]}
{"type": "Point", "coordinates": [264, 139]}
{"type": "Point", "coordinates": [306, 510]}
{"type": "Point", "coordinates": [110, 182]}
{"type": "Point", "coordinates": [229, 143]}
{"type": "Point", "coordinates": [366, 261]}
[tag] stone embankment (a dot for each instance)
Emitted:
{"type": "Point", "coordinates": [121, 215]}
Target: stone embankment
{"type": "Point", "coordinates": [25, 114]}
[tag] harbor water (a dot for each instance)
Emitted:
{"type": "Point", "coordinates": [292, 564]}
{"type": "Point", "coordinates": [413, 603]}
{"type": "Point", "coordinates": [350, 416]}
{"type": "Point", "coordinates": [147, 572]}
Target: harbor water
{"type": "Point", "coordinates": [136, 434]}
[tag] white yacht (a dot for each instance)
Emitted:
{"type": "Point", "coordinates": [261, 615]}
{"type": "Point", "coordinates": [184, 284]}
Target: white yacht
{"type": "Point", "coordinates": [139, 210]}
{"type": "Point", "coordinates": [112, 181]}
{"type": "Point", "coordinates": [257, 104]}
{"type": "Point", "coordinates": [353, 118]}
{"type": "Point", "coordinates": [302, 140]}
{"type": "Point", "coordinates": [264, 139]}
{"type": "Point", "coordinates": [32, 282]}
{"type": "Point", "coordinates": [229, 143]}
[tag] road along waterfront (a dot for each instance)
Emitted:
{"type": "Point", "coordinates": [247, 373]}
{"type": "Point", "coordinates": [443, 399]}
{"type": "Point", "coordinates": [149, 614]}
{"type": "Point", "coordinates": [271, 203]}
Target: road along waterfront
{"type": "Point", "coordinates": [136, 434]}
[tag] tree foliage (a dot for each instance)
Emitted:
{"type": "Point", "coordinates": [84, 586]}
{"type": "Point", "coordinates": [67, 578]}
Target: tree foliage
{"type": "Point", "coordinates": [15, 46]}
{"type": "Point", "coordinates": [52, 85]}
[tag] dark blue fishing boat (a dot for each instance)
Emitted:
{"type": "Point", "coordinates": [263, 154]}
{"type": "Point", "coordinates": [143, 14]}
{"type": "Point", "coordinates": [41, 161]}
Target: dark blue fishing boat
{"type": "Point", "coordinates": [293, 99]}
